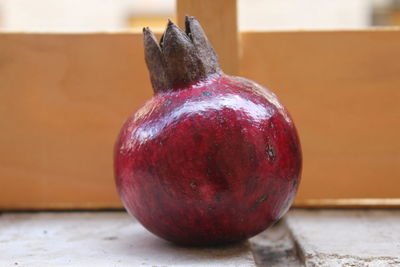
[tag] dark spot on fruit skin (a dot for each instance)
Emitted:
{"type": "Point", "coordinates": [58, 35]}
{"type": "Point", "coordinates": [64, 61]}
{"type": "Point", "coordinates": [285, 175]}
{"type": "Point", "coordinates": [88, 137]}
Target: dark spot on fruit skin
{"type": "Point", "coordinates": [221, 120]}
{"type": "Point", "coordinates": [270, 151]}
{"type": "Point", "coordinates": [197, 138]}
{"type": "Point", "coordinates": [273, 129]}
{"type": "Point", "coordinates": [215, 147]}
{"type": "Point", "coordinates": [206, 93]}
{"type": "Point", "coordinates": [219, 197]}
{"type": "Point", "coordinates": [262, 199]}
{"type": "Point", "coordinates": [193, 185]}
{"type": "Point", "coordinates": [167, 103]}
{"type": "Point", "coordinates": [272, 125]}
{"type": "Point", "coordinates": [258, 202]}
{"type": "Point", "coordinates": [294, 147]}
{"type": "Point", "coordinates": [219, 117]}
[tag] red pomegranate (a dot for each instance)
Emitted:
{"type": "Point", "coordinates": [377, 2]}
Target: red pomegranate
{"type": "Point", "coordinates": [211, 158]}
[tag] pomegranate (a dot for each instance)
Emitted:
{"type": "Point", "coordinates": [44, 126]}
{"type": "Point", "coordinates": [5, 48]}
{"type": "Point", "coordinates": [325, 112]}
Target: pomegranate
{"type": "Point", "coordinates": [210, 159]}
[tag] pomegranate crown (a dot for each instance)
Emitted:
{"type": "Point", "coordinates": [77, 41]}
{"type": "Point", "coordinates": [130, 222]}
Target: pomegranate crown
{"type": "Point", "coordinates": [181, 57]}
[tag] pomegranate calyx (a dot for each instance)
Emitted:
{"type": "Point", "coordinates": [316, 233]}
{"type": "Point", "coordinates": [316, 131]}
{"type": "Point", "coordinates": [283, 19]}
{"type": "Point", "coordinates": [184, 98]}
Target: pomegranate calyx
{"type": "Point", "coordinates": [181, 57]}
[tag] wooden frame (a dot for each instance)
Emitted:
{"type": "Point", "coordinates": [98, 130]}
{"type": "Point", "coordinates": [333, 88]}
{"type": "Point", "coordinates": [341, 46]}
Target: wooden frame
{"type": "Point", "coordinates": [63, 98]}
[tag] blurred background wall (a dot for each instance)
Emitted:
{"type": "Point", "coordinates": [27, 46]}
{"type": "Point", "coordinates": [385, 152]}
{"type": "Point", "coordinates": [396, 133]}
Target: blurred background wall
{"type": "Point", "coordinates": [103, 15]}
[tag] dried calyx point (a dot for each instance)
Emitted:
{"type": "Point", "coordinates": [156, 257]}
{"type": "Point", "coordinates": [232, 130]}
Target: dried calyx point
{"type": "Point", "coordinates": [181, 57]}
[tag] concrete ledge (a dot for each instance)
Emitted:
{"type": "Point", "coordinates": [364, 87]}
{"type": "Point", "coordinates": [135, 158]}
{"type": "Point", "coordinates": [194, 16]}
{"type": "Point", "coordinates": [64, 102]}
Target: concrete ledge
{"type": "Point", "coordinates": [100, 239]}
{"type": "Point", "coordinates": [303, 238]}
{"type": "Point", "coordinates": [346, 237]}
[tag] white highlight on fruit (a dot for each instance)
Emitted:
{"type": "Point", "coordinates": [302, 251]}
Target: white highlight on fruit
{"type": "Point", "coordinates": [271, 98]}
{"type": "Point", "coordinates": [256, 112]}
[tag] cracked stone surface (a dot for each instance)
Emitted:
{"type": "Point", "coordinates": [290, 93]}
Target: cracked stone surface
{"type": "Point", "coordinates": [347, 237]}
{"type": "Point", "coordinates": [275, 247]}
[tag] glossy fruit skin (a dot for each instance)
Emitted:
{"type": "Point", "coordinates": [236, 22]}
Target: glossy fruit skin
{"type": "Point", "coordinates": [212, 163]}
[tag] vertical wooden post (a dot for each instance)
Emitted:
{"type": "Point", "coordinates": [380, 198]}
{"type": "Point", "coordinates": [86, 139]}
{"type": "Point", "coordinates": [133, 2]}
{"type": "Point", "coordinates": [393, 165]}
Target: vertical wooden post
{"type": "Point", "coordinates": [219, 20]}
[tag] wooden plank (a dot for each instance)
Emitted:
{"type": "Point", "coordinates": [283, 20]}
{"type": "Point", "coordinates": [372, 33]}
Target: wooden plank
{"type": "Point", "coordinates": [63, 99]}
{"type": "Point", "coordinates": [219, 20]}
{"type": "Point", "coordinates": [348, 203]}
{"type": "Point", "coordinates": [342, 89]}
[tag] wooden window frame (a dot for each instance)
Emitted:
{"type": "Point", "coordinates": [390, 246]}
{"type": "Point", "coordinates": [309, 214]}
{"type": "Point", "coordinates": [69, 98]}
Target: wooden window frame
{"type": "Point", "coordinates": [63, 98]}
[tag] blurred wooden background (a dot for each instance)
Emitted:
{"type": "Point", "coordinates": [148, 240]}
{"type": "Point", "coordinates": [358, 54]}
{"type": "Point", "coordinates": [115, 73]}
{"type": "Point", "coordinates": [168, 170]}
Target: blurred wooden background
{"type": "Point", "coordinates": [64, 97]}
